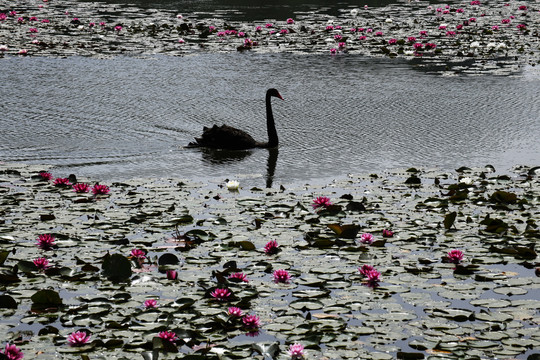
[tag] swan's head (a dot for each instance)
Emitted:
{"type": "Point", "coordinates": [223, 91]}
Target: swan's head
{"type": "Point", "coordinates": [275, 93]}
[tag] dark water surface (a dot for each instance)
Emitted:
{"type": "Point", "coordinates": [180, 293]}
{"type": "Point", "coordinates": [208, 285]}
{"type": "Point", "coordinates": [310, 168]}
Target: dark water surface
{"type": "Point", "coordinates": [250, 10]}
{"type": "Point", "coordinates": [129, 117]}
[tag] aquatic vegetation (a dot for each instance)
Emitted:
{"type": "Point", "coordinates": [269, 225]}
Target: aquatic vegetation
{"type": "Point", "coordinates": [281, 276]}
{"type": "Point", "coordinates": [366, 238]}
{"type": "Point", "coordinates": [221, 294]}
{"type": "Point", "coordinates": [238, 276]}
{"type": "Point", "coordinates": [78, 338]}
{"type": "Point", "coordinates": [61, 182]}
{"type": "Point", "coordinates": [235, 312]}
{"type": "Point", "coordinates": [168, 336]}
{"type": "Point", "coordinates": [474, 21]}
{"type": "Point", "coordinates": [45, 241]}
{"type": "Point", "coordinates": [81, 188]}
{"type": "Point", "coordinates": [296, 351]}
{"type": "Point", "coordinates": [233, 185]}
{"type": "Point", "coordinates": [321, 202]}
{"type": "Point", "coordinates": [455, 256]}
{"type": "Point", "coordinates": [150, 304]}
{"type": "Point", "coordinates": [271, 247]}
{"type": "Point", "coordinates": [41, 263]}
{"type": "Point", "coordinates": [397, 288]}
{"type": "Point", "coordinates": [99, 189]}
{"type": "Point", "coordinates": [12, 352]}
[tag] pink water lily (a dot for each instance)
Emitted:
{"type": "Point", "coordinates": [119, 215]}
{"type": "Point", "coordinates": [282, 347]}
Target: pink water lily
{"type": "Point", "coordinates": [78, 338]}
{"type": "Point", "coordinates": [251, 322]}
{"type": "Point", "coordinates": [100, 189]}
{"type": "Point", "coordinates": [150, 304]}
{"type": "Point", "coordinates": [366, 238]}
{"type": "Point", "coordinates": [12, 352]}
{"type": "Point", "coordinates": [171, 274]}
{"type": "Point", "coordinates": [81, 188]}
{"type": "Point", "coordinates": [221, 294]}
{"type": "Point", "coordinates": [234, 311]}
{"type": "Point", "coordinates": [61, 182]}
{"type": "Point", "coordinates": [455, 256]}
{"type": "Point", "coordinates": [271, 247]}
{"type": "Point", "coordinates": [168, 336]}
{"type": "Point", "coordinates": [365, 269]}
{"type": "Point", "coordinates": [388, 233]}
{"type": "Point", "coordinates": [281, 276]}
{"type": "Point", "coordinates": [41, 263]}
{"type": "Point", "coordinates": [138, 253]}
{"type": "Point", "coordinates": [238, 276]}
{"type": "Point", "coordinates": [45, 175]}
{"type": "Point", "coordinates": [296, 351]}
{"type": "Point", "coordinates": [45, 241]}
{"type": "Point", "coordinates": [321, 202]}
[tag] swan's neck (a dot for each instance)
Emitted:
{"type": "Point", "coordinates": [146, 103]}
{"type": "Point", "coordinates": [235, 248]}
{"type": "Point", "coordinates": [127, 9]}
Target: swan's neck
{"type": "Point", "coordinates": [270, 125]}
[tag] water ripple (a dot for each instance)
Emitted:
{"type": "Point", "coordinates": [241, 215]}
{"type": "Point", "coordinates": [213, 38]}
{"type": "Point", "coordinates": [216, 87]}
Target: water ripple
{"type": "Point", "coordinates": [130, 117]}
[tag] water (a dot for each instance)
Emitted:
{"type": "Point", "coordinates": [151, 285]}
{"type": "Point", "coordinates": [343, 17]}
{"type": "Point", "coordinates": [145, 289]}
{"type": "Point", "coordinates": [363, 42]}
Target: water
{"type": "Point", "coordinates": [250, 10]}
{"type": "Point", "coordinates": [129, 117]}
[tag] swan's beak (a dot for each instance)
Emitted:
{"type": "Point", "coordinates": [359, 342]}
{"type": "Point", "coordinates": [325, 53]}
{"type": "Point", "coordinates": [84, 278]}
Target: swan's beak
{"type": "Point", "coordinates": [279, 96]}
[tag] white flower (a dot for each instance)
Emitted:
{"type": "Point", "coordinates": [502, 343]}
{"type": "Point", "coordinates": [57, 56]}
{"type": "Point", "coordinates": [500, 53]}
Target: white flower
{"type": "Point", "coordinates": [408, 52]}
{"type": "Point", "coordinates": [466, 180]}
{"type": "Point", "coordinates": [233, 185]}
{"type": "Point", "coordinates": [179, 16]}
{"type": "Point", "coordinates": [388, 21]}
{"type": "Point", "coordinates": [354, 12]}
{"type": "Point", "coordinates": [501, 46]}
{"type": "Point", "coordinates": [3, 47]}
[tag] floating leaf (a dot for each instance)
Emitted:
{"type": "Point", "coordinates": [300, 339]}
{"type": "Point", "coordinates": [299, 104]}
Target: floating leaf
{"type": "Point", "coordinates": [345, 231]}
{"type": "Point", "coordinates": [7, 302]}
{"type": "Point", "coordinates": [168, 259]}
{"type": "Point", "coordinates": [449, 220]}
{"type": "Point", "coordinates": [116, 267]}
{"type": "Point", "coordinates": [46, 299]}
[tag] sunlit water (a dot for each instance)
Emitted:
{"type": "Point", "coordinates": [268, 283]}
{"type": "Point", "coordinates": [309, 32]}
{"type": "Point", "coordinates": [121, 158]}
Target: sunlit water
{"type": "Point", "coordinates": [130, 117]}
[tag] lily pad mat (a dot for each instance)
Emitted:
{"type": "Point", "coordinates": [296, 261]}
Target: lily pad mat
{"type": "Point", "coordinates": [488, 306]}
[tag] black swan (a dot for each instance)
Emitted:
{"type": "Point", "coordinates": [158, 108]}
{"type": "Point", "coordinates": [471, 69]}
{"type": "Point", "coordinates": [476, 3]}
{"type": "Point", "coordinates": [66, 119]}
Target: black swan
{"type": "Point", "coordinates": [227, 137]}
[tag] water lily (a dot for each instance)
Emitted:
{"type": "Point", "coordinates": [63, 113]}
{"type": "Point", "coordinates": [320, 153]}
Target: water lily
{"type": "Point", "coordinates": [364, 269]}
{"type": "Point", "coordinates": [150, 304]}
{"type": "Point", "coordinates": [296, 351]}
{"type": "Point", "coordinates": [387, 233]}
{"type": "Point", "coordinates": [238, 276]}
{"type": "Point", "coordinates": [171, 274]}
{"type": "Point", "coordinates": [271, 247]}
{"type": "Point", "coordinates": [221, 294]}
{"type": "Point", "coordinates": [41, 263]}
{"type": "Point", "coordinates": [281, 276]}
{"type": "Point", "coordinates": [333, 51]}
{"type": "Point", "coordinates": [138, 254]}
{"type": "Point", "coordinates": [78, 338]}
{"type": "Point", "coordinates": [100, 189]}
{"type": "Point", "coordinates": [45, 175]}
{"type": "Point", "coordinates": [61, 182]}
{"type": "Point", "coordinates": [234, 311]}
{"type": "Point", "coordinates": [81, 188]}
{"type": "Point", "coordinates": [168, 336]}
{"type": "Point", "coordinates": [366, 238]}
{"type": "Point", "coordinates": [233, 185]}
{"type": "Point", "coordinates": [12, 352]}
{"type": "Point", "coordinates": [251, 322]}
{"type": "Point", "coordinates": [290, 21]}
{"type": "Point", "coordinates": [321, 202]}
{"type": "Point", "coordinates": [45, 241]}
{"type": "Point", "coordinates": [455, 256]}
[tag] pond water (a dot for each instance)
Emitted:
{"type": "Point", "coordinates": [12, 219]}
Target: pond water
{"type": "Point", "coordinates": [249, 10]}
{"type": "Point", "coordinates": [130, 117]}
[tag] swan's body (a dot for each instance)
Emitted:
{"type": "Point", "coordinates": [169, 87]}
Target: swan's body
{"type": "Point", "coordinates": [227, 137]}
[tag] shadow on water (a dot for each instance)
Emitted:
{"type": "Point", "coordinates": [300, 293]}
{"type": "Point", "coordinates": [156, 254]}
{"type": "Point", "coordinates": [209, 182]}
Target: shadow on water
{"type": "Point", "coordinates": [248, 10]}
{"type": "Point", "coordinates": [222, 157]}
